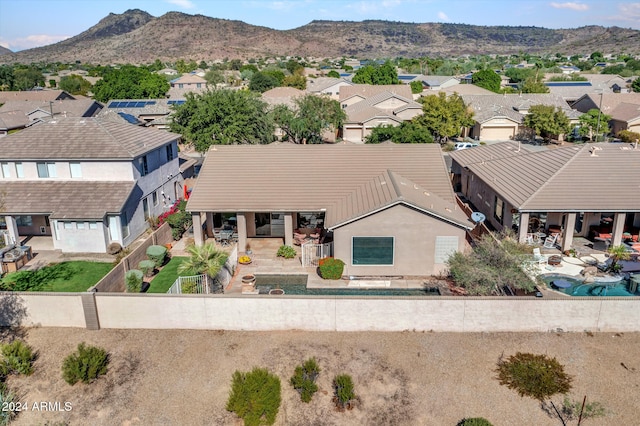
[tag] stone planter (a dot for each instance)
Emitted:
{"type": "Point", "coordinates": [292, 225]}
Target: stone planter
{"type": "Point", "coordinates": [249, 284]}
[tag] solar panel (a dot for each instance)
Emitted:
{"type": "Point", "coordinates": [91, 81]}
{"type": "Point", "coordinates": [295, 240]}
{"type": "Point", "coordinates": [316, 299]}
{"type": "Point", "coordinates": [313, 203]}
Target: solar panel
{"type": "Point", "coordinates": [140, 104]}
{"type": "Point", "coordinates": [151, 102]}
{"type": "Point", "coordinates": [128, 117]}
{"type": "Point", "coordinates": [114, 105]}
{"type": "Point", "coordinates": [568, 84]}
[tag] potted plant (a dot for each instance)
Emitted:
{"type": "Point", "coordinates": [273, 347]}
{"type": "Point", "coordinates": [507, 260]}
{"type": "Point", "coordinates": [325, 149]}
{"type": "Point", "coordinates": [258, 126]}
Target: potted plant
{"type": "Point", "coordinates": [247, 249]}
{"type": "Point", "coordinates": [244, 260]}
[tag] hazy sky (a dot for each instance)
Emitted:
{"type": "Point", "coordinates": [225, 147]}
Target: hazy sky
{"type": "Point", "coordinates": [30, 23]}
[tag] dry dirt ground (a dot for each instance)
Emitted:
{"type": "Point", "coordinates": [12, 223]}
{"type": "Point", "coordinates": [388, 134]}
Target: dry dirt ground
{"type": "Point", "coordinates": [160, 377]}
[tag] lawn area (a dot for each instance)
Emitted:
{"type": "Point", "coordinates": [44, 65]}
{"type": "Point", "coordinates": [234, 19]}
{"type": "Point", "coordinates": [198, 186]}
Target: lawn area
{"type": "Point", "coordinates": [72, 276]}
{"type": "Point", "coordinates": [167, 276]}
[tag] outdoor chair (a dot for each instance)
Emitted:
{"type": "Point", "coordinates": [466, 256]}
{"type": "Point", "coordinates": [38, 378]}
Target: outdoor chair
{"type": "Point", "coordinates": [550, 241]}
{"type": "Point", "coordinates": [538, 257]}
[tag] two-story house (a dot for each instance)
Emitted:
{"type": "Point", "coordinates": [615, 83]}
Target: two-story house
{"type": "Point", "coordinates": [86, 182]}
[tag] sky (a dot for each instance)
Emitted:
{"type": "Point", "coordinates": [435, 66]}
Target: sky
{"type": "Point", "coordinates": [25, 24]}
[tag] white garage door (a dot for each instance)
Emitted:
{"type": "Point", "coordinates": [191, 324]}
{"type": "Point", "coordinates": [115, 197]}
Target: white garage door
{"type": "Point", "coordinates": [353, 134]}
{"type": "Point", "coordinates": [497, 133]}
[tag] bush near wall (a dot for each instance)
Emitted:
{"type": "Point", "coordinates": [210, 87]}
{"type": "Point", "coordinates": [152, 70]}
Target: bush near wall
{"type": "Point", "coordinates": [331, 268]}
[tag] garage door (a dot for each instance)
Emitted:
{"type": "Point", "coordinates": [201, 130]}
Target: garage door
{"type": "Point", "coordinates": [497, 133]}
{"type": "Point", "coordinates": [353, 134]}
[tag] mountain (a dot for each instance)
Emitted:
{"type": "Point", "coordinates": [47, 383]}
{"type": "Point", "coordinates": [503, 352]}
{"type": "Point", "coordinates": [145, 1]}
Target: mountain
{"type": "Point", "coordinates": [137, 37]}
{"type": "Point", "coordinates": [4, 50]}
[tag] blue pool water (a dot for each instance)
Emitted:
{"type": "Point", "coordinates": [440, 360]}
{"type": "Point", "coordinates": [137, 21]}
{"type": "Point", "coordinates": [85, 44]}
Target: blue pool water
{"type": "Point", "coordinates": [297, 284]}
{"type": "Point", "coordinates": [578, 288]}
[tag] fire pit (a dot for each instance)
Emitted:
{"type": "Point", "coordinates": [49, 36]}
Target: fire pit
{"type": "Point", "coordinates": [554, 260]}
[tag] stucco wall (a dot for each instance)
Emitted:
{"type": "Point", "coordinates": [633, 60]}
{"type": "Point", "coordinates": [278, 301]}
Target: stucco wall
{"type": "Point", "coordinates": [76, 240]}
{"type": "Point", "coordinates": [91, 170]}
{"type": "Point", "coordinates": [483, 197]}
{"type": "Point", "coordinates": [414, 249]}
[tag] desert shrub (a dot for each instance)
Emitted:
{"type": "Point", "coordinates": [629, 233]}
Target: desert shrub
{"type": "Point", "coordinates": [474, 421]}
{"type": "Point", "coordinates": [536, 376]}
{"type": "Point", "coordinates": [304, 379]}
{"type": "Point", "coordinates": [287, 252]}
{"type": "Point", "coordinates": [189, 287]}
{"type": "Point", "coordinates": [255, 396]}
{"type": "Point", "coordinates": [571, 410]}
{"type": "Point", "coordinates": [331, 269]}
{"type": "Point", "coordinates": [18, 357]}
{"type": "Point", "coordinates": [147, 267]}
{"type": "Point", "coordinates": [85, 365]}
{"type": "Point", "coordinates": [114, 248]}
{"type": "Point", "coordinates": [133, 280]}
{"type": "Point", "coordinates": [343, 391]}
{"type": "Point", "coordinates": [628, 136]}
{"type": "Point", "coordinates": [6, 398]}
{"type": "Point", "coordinates": [158, 254]}
{"type": "Point", "coordinates": [121, 255]}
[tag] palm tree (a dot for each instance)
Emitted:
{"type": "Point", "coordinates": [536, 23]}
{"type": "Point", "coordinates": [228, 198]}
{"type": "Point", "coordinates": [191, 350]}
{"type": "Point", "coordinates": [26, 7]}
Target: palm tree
{"type": "Point", "coordinates": [616, 254]}
{"type": "Point", "coordinates": [204, 259]}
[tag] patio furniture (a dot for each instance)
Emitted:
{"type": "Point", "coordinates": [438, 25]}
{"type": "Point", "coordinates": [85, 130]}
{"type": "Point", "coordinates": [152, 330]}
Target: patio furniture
{"type": "Point", "coordinates": [601, 244]}
{"type": "Point", "coordinates": [550, 241]}
{"type": "Point", "coordinates": [538, 257]}
{"type": "Point", "coordinates": [554, 260]}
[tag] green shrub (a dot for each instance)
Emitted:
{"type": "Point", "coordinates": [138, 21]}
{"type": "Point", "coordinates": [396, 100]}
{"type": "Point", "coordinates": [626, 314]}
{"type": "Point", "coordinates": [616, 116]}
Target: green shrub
{"type": "Point", "coordinates": [475, 421]}
{"type": "Point", "coordinates": [147, 267]}
{"type": "Point", "coordinates": [255, 397]}
{"type": "Point", "coordinates": [536, 376]}
{"type": "Point", "coordinates": [133, 280]}
{"type": "Point", "coordinates": [331, 269]}
{"type": "Point", "coordinates": [85, 365]}
{"type": "Point", "coordinates": [287, 252]}
{"type": "Point", "coordinates": [628, 136]}
{"type": "Point", "coordinates": [158, 254]}
{"type": "Point", "coordinates": [189, 287]}
{"type": "Point", "coordinates": [343, 390]}
{"type": "Point", "coordinates": [6, 398]}
{"type": "Point", "coordinates": [304, 379]}
{"type": "Point", "coordinates": [18, 357]}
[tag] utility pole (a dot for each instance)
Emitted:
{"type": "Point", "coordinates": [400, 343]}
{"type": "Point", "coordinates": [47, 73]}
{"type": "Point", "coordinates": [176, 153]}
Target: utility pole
{"type": "Point", "coordinates": [599, 113]}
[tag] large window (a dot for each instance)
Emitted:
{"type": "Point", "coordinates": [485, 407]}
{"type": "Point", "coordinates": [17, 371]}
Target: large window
{"type": "Point", "coordinates": [145, 207]}
{"type": "Point", "coordinates": [5, 170]}
{"type": "Point", "coordinates": [23, 220]}
{"type": "Point", "coordinates": [498, 211]}
{"type": "Point", "coordinates": [46, 170]}
{"type": "Point", "coordinates": [75, 169]}
{"type": "Point", "coordinates": [144, 166]}
{"type": "Point", "coordinates": [170, 155]}
{"type": "Point", "coordinates": [19, 170]}
{"type": "Point", "coordinates": [372, 251]}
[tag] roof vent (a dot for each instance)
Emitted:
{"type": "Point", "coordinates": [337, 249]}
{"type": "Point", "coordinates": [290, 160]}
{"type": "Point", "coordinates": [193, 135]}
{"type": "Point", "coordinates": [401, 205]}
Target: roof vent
{"type": "Point", "coordinates": [426, 193]}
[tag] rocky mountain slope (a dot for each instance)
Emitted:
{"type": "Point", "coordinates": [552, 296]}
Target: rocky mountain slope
{"type": "Point", "coordinates": [137, 37]}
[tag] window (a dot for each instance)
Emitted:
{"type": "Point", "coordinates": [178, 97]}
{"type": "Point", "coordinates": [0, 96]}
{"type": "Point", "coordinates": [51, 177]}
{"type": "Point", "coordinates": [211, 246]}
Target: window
{"type": "Point", "coordinates": [19, 170]}
{"type": "Point", "coordinates": [144, 166]}
{"type": "Point", "coordinates": [46, 170]}
{"type": "Point", "coordinates": [155, 198]}
{"type": "Point", "coordinates": [198, 85]}
{"type": "Point", "coordinates": [24, 221]}
{"type": "Point", "coordinates": [75, 169]}
{"type": "Point", "coordinates": [498, 211]}
{"type": "Point", "coordinates": [80, 225]}
{"type": "Point", "coordinates": [372, 251]}
{"type": "Point", "coordinates": [170, 155]}
{"type": "Point", "coordinates": [93, 225]}
{"type": "Point", "coordinates": [125, 225]}
{"type": "Point", "coordinates": [180, 86]}
{"type": "Point", "coordinates": [145, 207]}
{"type": "Point", "coordinates": [5, 170]}
{"type": "Point", "coordinates": [68, 225]}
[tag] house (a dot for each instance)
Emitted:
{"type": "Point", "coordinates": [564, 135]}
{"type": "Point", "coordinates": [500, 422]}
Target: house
{"type": "Point", "coordinates": [579, 190]}
{"type": "Point", "coordinates": [500, 117]}
{"type": "Point", "coordinates": [327, 86]}
{"type": "Point", "coordinates": [143, 112]}
{"type": "Point", "coordinates": [34, 95]}
{"type": "Point", "coordinates": [387, 208]}
{"type": "Point", "coordinates": [86, 182]}
{"type": "Point", "coordinates": [186, 83]}
{"type": "Point", "coordinates": [438, 82]}
{"type": "Point", "coordinates": [595, 84]}
{"type": "Point", "coordinates": [16, 115]}
{"type": "Point", "coordinates": [622, 107]}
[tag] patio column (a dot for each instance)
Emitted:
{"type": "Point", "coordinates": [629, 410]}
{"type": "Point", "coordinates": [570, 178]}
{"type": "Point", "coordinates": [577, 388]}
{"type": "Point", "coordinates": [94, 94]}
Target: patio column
{"type": "Point", "coordinates": [523, 227]}
{"type": "Point", "coordinates": [569, 227]}
{"type": "Point", "coordinates": [12, 227]}
{"type": "Point", "coordinates": [209, 222]}
{"type": "Point", "coordinates": [288, 229]}
{"type": "Point", "coordinates": [197, 228]}
{"type": "Point", "coordinates": [242, 231]}
{"type": "Point", "coordinates": [618, 228]}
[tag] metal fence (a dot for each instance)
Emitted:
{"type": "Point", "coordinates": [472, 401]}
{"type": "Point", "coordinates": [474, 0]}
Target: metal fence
{"type": "Point", "coordinates": [196, 284]}
{"type": "Point", "coordinates": [312, 253]}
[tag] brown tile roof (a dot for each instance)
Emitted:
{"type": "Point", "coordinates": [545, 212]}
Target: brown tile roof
{"type": "Point", "coordinates": [319, 84]}
{"type": "Point", "coordinates": [367, 109]}
{"type": "Point", "coordinates": [609, 101]}
{"type": "Point", "coordinates": [286, 177]}
{"type": "Point", "coordinates": [386, 190]}
{"type": "Point", "coordinates": [189, 79]}
{"type": "Point", "coordinates": [11, 119]}
{"type": "Point", "coordinates": [65, 107]}
{"type": "Point", "coordinates": [66, 199]}
{"type": "Point", "coordinates": [582, 178]}
{"type": "Point", "coordinates": [625, 112]}
{"type": "Point", "coordinates": [462, 89]}
{"type": "Point", "coordinates": [82, 138]}
{"type": "Point", "coordinates": [368, 90]}
{"type": "Point", "coordinates": [282, 96]}
{"type": "Point", "coordinates": [464, 157]}
{"type": "Point", "coordinates": [34, 95]}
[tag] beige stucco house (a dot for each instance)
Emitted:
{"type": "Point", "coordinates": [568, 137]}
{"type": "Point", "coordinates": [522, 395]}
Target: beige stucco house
{"type": "Point", "coordinates": [624, 109]}
{"type": "Point", "coordinates": [386, 209]}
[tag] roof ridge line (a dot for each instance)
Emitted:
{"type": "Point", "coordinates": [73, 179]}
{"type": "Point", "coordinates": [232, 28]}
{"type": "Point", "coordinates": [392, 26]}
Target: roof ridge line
{"type": "Point", "coordinates": [544, 185]}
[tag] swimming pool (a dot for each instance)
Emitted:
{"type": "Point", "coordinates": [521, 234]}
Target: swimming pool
{"type": "Point", "coordinates": [578, 288]}
{"type": "Point", "coordinates": [297, 284]}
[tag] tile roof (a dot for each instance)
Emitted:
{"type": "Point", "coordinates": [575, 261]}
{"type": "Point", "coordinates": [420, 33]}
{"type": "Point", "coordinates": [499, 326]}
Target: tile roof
{"type": "Point", "coordinates": [582, 178]}
{"type": "Point", "coordinates": [287, 177]}
{"type": "Point", "coordinates": [608, 101]}
{"type": "Point", "coordinates": [34, 95]}
{"type": "Point", "coordinates": [368, 90]}
{"type": "Point", "coordinates": [189, 79]}
{"type": "Point", "coordinates": [505, 105]}
{"type": "Point", "coordinates": [465, 89]}
{"type": "Point", "coordinates": [66, 199]}
{"type": "Point", "coordinates": [465, 157]}
{"type": "Point", "coordinates": [319, 84]}
{"type": "Point", "coordinates": [367, 109]}
{"type": "Point", "coordinates": [386, 190]}
{"type": "Point", "coordinates": [625, 112]}
{"type": "Point", "coordinates": [282, 96]}
{"type": "Point", "coordinates": [82, 138]}
{"type": "Point", "coordinates": [65, 107]}
{"type": "Point", "coordinates": [11, 119]}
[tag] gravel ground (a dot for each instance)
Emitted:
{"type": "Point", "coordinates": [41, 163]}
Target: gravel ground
{"type": "Point", "coordinates": [180, 377]}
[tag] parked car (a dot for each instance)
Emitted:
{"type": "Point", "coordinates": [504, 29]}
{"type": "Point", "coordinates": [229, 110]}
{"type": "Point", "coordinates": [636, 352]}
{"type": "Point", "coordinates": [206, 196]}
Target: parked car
{"type": "Point", "coordinates": [464, 145]}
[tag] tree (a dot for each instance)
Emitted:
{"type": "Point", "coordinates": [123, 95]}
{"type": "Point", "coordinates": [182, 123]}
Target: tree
{"type": "Point", "coordinates": [204, 259]}
{"type": "Point", "coordinates": [261, 82]}
{"type": "Point", "coordinates": [377, 74]}
{"type": "Point", "coordinates": [311, 116]}
{"type": "Point", "coordinates": [6, 77]}
{"type": "Point", "coordinates": [406, 132]}
{"type": "Point", "coordinates": [214, 78]}
{"type": "Point", "coordinates": [444, 117]}
{"type": "Point", "coordinates": [297, 80]}
{"type": "Point", "coordinates": [27, 78]}
{"type": "Point", "coordinates": [487, 79]}
{"type": "Point", "coordinates": [537, 376]}
{"type": "Point", "coordinates": [223, 117]}
{"type": "Point", "coordinates": [616, 254]}
{"type": "Point", "coordinates": [416, 87]}
{"type": "Point", "coordinates": [593, 122]}
{"type": "Point", "coordinates": [130, 82]}
{"type": "Point", "coordinates": [547, 121]}
{"type": "Point", "coordinates": [636, 85]}
{"type": "Point", "coordinates": [75, 84]}
{"type": "Point", "coordinates": [333, 74]}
